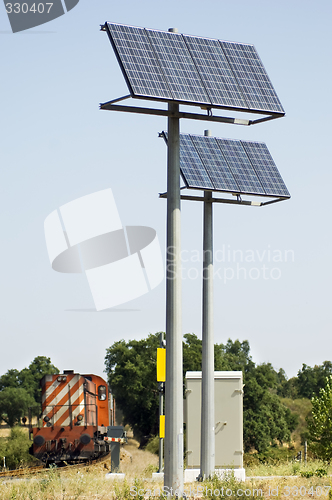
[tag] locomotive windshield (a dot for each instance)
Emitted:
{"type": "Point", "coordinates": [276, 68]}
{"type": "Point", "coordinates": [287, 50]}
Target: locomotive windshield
{"type": "Point", "coordinates": [102, 392]}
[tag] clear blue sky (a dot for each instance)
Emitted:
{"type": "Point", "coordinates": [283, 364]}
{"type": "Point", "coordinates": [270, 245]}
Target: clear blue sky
{"type": "Point", "coordinates": [56, 145]}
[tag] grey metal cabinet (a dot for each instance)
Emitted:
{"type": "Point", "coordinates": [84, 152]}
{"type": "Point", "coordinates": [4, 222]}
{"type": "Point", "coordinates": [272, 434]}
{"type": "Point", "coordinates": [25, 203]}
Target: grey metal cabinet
{"type": "Point", "coordinates": [228, 387]}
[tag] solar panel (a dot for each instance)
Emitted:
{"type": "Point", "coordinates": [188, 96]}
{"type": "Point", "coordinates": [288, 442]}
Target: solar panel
{"type": "Point", "coordinates": [240, 166]}
{"type": "Point", "coordinates": [193, 70]}
{"type": "Point", "coordinates": [215, 72]}
{"type": "Point", "coordinates": [215, 164]}
{"type": "Point", "coordinates": [178, 67]}
{"type": "Point", "coordinates": [265, 168]}
{"type": "Point", "coordinates": [137, 60]}
{"type": "Point", "coordinates": [251, 76]}
{"type": "Point", "coordinates": [191, 166]}
{"type": "Point", "coordinates": [228, 165]}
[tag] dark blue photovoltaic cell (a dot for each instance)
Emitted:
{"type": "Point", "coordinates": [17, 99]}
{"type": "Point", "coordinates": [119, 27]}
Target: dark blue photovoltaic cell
{"type": "Point", "coordinates": [139, 61]}
{"type": "Point", "coordinates": [214, 163]}
{"type": "Point", "coordinates": [265, 168]}
{"type": "Point", "coordinates": [178, 67]}
{"type": "Point", "coordinates": [240, 166]}
{"type": "Point", "coordinates": [215, 72]}
{"type": "Point", "coordinates": [192, 168]}
{"type": "Point", "coordinates": [251, 76]}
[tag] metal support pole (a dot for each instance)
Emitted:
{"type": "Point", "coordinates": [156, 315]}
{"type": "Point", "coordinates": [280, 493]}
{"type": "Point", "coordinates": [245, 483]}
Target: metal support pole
{"type": "Point", "coordinates": [207, 413]}
{"type": "Point", "coordinates": [305, 451]}
{"type": "Point", "coordinates": [161, 411]}
{"type": "Point", "coordinates": [173, 460]}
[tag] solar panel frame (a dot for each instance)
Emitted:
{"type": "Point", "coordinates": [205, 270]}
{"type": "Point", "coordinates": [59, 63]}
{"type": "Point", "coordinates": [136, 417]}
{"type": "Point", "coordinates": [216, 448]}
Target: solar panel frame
{"type": "Point", "coordinates": [265, 168]}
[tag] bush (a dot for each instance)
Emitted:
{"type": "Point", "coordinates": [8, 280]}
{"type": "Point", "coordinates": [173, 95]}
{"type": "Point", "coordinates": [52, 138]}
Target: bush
{"type": "Point", "coordinates": [230, 487]}
{"type": "Point", "coordinates": [273, 456]}
{"type": "Point", "coordinates": [16, 449]}
{"type": "Point", "coordinates": [321, 472]}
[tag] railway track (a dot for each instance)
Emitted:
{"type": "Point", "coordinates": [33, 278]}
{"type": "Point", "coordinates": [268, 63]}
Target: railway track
{"type": "Point", "coordinates": [30, 471]}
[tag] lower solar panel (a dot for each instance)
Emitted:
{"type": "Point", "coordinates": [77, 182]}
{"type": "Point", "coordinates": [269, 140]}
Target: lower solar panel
{"type": "Point", "coordinates": [228, 165]}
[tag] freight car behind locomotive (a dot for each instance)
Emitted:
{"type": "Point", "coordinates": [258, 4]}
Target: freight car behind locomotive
{"type": "Point", "coordinates": [75, 419]}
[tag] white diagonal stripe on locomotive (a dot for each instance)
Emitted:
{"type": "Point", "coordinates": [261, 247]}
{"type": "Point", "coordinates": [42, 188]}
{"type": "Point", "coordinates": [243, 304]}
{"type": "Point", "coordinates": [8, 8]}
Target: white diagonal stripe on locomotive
{"type": "Point", "coordinates": [55, 413]}
{"type": "Point", "coordinates": [53, 396]}
{"type": "Point", "coordinates": [61, 405]}
{"type": "Point", "coordinates": [60, 402]}
{"type": "Point", "coordinates": [77, 406]}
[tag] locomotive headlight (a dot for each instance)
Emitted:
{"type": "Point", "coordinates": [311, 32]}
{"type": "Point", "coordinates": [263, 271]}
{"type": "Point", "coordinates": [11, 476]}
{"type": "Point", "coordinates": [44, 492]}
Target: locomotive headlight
{"type": "Point", "coordinates": [80, 418]}
{"type": "Point", "coordinates": [46, 419]}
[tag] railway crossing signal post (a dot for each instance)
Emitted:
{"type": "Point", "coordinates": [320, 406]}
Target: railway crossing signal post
{"type": "Point", "coordinates": [161, 379]}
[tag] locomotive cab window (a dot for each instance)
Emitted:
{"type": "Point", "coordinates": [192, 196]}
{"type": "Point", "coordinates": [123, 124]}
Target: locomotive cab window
{"type": "Point", "coordinates": [102, 392]}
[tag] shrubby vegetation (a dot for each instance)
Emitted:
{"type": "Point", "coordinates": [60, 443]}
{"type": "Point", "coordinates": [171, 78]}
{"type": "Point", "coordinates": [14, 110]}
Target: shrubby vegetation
{"type": "Point", "coordinates": [15, 449]}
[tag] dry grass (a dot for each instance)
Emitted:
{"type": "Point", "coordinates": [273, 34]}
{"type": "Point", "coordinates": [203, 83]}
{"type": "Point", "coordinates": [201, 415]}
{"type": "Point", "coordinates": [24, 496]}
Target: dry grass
{"type": "Point", "coordinates": [91, 483]}
{"type": "Point", "coordinates": [4, 430]}
{"type": "Point", "coordinates": [143, 462]}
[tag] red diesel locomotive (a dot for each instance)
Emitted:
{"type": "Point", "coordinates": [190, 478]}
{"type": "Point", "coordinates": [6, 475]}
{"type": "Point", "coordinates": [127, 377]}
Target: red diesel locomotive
{"type": "Point", "coordinates": [75, 418]}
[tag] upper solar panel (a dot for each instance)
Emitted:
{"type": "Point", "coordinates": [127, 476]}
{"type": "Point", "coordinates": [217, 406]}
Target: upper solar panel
{"type": "Point", "coordinates": [193, 70]}
{"type": "Point", "coordinates": [227, 165]}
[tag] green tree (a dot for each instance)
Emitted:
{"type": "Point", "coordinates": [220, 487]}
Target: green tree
{"type": "Point", "coordinates": [10, 379]}
{"type": "Point", "coordinates": [192, 353]}
{"type": "Point", "coordinates": [234, 355]}
{"type": "Point", "coordinates": [311, 380]}
{"type": "Point", "coordinates": [29, 378]}
{"type": "Point", "coordinates": [265, 419]}
{"type": "Point", "coordinates": [320, 422]}
{"type": "Point", "coordinates": [131, 370]}
{"type": "Point", "coordinates": [14, 403]}
{"type": "Point", "coordinates": [287, 388]}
